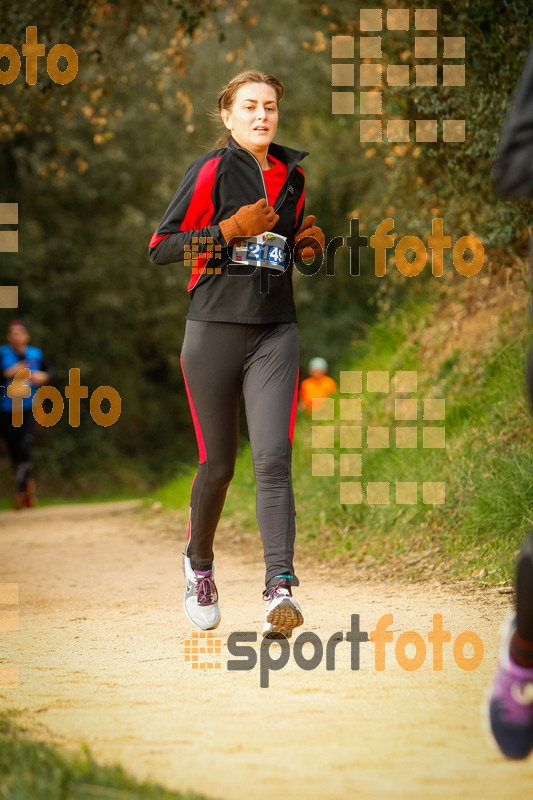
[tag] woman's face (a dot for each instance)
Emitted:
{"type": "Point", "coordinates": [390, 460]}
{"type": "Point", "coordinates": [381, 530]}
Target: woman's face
{"type": "Point", "coordinates": [253, 118]}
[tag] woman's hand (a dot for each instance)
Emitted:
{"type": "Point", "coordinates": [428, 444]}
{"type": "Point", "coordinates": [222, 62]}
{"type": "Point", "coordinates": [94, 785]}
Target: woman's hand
{"type": "Point", "coordinates": [39, 377]}
{"type": "Point", "coordinates": [309, 240]}
{"type": "Point", "coordinates": [249, 221]}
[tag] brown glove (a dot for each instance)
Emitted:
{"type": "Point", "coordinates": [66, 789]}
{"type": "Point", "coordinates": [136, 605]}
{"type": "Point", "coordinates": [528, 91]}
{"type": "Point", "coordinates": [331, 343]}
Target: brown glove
{"type": "Point", "coordinates": [309, 240]}
{"type": "Point", "coordinates": [249, 221]}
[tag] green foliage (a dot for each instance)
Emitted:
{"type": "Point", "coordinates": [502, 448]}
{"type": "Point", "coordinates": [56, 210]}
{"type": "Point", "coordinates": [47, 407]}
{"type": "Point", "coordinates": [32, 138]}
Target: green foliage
{"type": "Point", "coordinates": [448, 179]}
{"type": "Point", "coordinates": [85, 176]}
{"type": "Point", "coordinates": [487, 464]}
{"type": "Point", "coordinates": [93, 165]}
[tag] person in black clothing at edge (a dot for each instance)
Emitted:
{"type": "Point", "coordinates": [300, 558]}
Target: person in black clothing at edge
{"type": "Point", "coordinates": [16, 355]}
{"type": "Point", "coordinates": [510, 698]}
{"type": "Point", "coordinates": [238, 220]}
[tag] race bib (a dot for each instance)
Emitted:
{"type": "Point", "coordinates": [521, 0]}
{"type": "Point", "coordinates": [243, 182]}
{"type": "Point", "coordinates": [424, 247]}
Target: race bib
{"type": "Point", "coordinates": [265, 250]}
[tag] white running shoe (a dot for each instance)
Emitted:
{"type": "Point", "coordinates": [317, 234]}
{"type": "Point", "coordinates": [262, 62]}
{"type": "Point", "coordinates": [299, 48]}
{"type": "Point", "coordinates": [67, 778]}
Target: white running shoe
{"type": "Point", "coordinates": [282, 613]}
{"type": "Point", "coordinates": [201, 597]}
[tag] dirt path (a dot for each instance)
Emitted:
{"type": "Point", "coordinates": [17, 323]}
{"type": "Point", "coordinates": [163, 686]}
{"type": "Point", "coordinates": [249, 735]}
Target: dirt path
{"type": "Point", "coordinates": [101, 657]}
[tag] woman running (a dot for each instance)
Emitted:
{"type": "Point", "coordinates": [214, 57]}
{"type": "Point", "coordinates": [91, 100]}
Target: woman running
{"type": "Point", "coordinates": [238, 220]}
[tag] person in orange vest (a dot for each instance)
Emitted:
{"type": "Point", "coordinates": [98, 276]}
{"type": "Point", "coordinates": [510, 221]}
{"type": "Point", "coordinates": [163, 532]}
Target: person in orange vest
{"type": "Point", "coordinates": [319, 385]}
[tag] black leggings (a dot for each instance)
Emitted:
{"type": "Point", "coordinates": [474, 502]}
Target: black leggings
{"type": "Point", "coordinates": [524, 590]}
{"type": "Point", "coordinates": [222, 362]}
{"type": "Point", "coordinates": [19, 441]}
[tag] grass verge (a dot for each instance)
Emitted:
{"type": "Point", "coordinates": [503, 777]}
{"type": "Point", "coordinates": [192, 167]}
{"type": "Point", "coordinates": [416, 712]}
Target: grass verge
{"type": "Point", "coordinates": [32, 770]}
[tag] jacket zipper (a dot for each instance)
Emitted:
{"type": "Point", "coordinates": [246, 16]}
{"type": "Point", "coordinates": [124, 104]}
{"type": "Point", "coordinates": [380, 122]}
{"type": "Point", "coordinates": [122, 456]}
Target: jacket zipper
{"type": "Point", "coordinates": [262, 176]}
{"type": "Point", "coordinates": [264, 184]}
{"type": "Point", "coordinates": [276, 207]}
{"type": "Point", "coordinates": [284, 196]}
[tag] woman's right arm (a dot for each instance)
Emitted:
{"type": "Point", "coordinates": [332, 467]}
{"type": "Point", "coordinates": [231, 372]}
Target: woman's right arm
{"type": "Point", "coordinates": [188, 216]}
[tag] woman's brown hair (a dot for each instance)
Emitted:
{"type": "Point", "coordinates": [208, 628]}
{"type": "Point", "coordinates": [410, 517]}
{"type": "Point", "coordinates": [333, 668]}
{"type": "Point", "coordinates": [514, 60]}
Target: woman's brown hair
{"type": "Point", "coordinates": [226, 96]}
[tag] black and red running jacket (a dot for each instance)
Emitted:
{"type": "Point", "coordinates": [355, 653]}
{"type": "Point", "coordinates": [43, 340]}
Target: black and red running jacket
{"type": "Point", "coordinates": [215, 186]}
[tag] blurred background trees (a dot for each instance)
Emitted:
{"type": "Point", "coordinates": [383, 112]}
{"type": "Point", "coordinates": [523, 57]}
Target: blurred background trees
{"type": "Point", "coordinates": [94, 163]}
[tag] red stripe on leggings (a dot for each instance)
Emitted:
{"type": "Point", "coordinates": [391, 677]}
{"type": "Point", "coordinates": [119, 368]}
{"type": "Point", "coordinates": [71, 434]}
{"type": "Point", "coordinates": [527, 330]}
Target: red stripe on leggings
{"type": "Point", "coordinates": [197, 429]}
{"type": "Point", "coordinates": [293, 409]}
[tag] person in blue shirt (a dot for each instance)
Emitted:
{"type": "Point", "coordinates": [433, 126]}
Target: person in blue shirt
{"type": "Point", "coordinates": [18, 354]}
